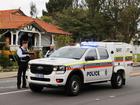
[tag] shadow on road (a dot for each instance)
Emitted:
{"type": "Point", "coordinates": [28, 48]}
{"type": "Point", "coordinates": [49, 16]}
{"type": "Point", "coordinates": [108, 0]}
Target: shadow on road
{"type": "Point", "coordinates": [85, 90]}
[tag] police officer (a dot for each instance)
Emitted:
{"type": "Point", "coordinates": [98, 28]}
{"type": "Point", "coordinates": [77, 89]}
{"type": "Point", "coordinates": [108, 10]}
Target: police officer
{"type": "Point", "coordinates": [49, 52]}
{"type": "Point", "coordinates": [23, 58]}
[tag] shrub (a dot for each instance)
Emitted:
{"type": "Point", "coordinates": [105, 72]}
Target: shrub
{"type": "Point", "coordinates": [4, 61]}
{"type": "Point", "coordinates": [62, 40]}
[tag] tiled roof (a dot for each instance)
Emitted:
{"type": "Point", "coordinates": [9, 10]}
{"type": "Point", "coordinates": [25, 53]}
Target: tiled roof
{"type": "Point", "coordinates": [15, 19]}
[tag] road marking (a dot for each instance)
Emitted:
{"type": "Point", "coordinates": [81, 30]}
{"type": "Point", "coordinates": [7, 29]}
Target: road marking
{"type": "Point", "coordinates": [97, 99]}
{"type": "Point", "coordinates": [112, 96]}
{"type": "Point", "coordinates": [13, 92]}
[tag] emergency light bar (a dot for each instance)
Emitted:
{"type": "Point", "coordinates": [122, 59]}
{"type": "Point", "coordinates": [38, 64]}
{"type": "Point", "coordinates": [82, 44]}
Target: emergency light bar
{"type": "Point", "coordinates": [89, 44]}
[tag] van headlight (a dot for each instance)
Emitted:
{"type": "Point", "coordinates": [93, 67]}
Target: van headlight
{"type": "Point", "coordinates": [60, 69]}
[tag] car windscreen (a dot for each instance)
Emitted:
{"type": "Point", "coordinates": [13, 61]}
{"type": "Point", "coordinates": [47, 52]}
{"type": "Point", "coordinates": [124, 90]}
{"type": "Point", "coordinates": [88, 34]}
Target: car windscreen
{"type": "Point", "coordinates": [72, 53]}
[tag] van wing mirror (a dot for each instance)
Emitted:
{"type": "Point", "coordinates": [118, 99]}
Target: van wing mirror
{"type": "Point", "coordinates": [89, 58]}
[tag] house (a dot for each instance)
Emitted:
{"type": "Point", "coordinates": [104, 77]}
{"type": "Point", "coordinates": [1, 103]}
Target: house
{"type": "Point", "coordinates": [15, 26]}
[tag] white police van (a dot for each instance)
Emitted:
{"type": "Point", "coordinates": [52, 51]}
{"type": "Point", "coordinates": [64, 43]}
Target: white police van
{"type": "Point", "coordinates": [73, 66]}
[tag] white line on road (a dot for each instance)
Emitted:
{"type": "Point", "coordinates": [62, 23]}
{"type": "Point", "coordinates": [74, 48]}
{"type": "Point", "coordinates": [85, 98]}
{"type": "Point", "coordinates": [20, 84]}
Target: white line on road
{"type": "Point", "coordinates": [97, 99]}
{"type": "Point", "coordinates": [112, 96]}
{"type": "Point", "coordinates": [13, 92]}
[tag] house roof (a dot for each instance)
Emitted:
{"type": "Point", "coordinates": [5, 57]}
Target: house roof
{"type": "Point", "coordinates": [15, 19]}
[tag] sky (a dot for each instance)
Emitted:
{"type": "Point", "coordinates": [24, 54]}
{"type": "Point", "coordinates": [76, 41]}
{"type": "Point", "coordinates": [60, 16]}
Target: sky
{"type": "Point", "coordinates": [24, 5]}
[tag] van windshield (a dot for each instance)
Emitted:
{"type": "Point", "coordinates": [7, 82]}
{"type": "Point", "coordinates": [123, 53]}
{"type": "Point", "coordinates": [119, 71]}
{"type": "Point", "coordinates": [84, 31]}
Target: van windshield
{"type": "Point", "coordinates": [68, 52]}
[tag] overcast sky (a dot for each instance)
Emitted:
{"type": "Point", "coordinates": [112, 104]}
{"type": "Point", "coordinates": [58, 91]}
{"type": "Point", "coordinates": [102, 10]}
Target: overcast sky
{"type": "Point", "coordinates": [24, 5]}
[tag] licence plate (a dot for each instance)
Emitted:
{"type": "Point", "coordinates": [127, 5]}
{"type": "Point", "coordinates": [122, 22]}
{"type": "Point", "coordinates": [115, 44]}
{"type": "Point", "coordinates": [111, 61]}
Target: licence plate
{"type": "Point", "coordinates": [39, 75]}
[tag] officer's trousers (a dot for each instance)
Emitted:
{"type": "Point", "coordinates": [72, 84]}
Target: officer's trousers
{"type": "Point", "coordinates": [22, 74]}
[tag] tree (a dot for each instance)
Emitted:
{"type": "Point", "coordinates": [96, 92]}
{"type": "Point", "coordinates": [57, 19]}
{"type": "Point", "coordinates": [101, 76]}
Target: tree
{"type": "Point", "coordinates": [73, 21]}
{"type": "Point", "coordinates": [33, 10]}
{"type": "Point", "coordinates": [54, 6]}
{"type": "Point", "coordinates": [129, 23]}
{"type": "Point", "coordinates": [97, 19]}
{"type": "Point", "coordinates": [117, 13]}
{"type": "Point", "coordinates": [62, 40]}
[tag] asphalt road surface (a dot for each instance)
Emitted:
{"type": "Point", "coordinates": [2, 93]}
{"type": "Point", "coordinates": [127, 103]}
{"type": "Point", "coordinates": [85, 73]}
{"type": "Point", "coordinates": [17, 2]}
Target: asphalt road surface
{"type": "Point", "coordinates": [96, 94]}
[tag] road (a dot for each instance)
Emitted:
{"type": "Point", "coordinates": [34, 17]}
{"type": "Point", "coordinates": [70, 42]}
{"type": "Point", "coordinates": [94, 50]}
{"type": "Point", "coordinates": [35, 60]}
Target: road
{"type": "Point", "coordinates": [97, 94]}
{"type": "Point", "coordinates": [136, 68]}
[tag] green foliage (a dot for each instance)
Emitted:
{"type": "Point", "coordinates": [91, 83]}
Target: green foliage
{"type": "Point", "coordinates": [4, 61]}
{"type": "Point", "coordinates": [44, 13]}
{"type": "Point", "coordinates": [1, 45]}
{"type": "Point", "coordinates": [72, 21]}
{"type": "Point", "coordinates": [129, 22]}
{"type": "Point", "coordinates": [47, 19]}
{"type": "Point", "coordinates": [62, 40]}
{"type": "Point", "coordinates": [97, 19]}
{"type": "Point", "coordinates": [54, 6]}
{"type": "Point", "coordinates": [78, 22]}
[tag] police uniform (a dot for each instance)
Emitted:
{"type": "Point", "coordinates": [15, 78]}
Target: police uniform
{"type": "Point", "coordinates": [49, 52]}
{"type": "Point", "coordinates": [23, 59]}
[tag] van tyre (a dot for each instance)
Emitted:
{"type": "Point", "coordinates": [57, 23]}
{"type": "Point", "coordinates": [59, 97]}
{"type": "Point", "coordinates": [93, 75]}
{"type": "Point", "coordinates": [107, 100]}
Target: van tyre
{"type": "Point", "coordinates": [117, 80]}
{"type": "Point", "coordinates": [35, 88]}
{"type": "Point", "coordinates": [73, 86]}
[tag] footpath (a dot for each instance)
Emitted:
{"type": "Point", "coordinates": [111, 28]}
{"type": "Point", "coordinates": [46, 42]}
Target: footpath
{"type": "Point", "coordinates": [7, 74]}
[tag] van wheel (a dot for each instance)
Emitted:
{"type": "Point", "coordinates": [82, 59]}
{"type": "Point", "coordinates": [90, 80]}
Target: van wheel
{"type": "Point", "coordinates": [35, 88]}
{"type": "Point", "coordinates": [73, 86]}
{"type": "Point", "coordinates": [117, 80]}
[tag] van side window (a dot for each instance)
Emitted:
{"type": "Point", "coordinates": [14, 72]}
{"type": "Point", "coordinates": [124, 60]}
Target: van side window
{"type": "Point", "coordinates": [92, 53]}
{"type": "Point", "coordinates": [103, 53]}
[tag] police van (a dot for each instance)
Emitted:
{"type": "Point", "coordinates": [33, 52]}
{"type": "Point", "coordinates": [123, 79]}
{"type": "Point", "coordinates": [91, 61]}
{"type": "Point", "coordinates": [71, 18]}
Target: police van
{"type": "Point", "coordinates": [72, 67]}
